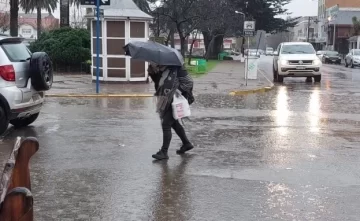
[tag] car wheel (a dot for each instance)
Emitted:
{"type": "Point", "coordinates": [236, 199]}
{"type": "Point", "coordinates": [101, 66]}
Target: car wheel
{"type": "Point", "coordinates": [4, 121]}
{"type": "Point", "coordinates": [317, 79]}
{"type": "Point", "coordinates": [274, 75]}
{"type": "Point", "coordinates": [280, 78]}
{"type": "Point", "coordinates": [308, 80]}
{"type": "Point", "coordinates": [41, 71]}
{"type": "Point", "coordinates": [23, 122]}
{"type": "Point", "coordinates": [351, 64]}
{"type": "Point", "coordinates": [346, 65]}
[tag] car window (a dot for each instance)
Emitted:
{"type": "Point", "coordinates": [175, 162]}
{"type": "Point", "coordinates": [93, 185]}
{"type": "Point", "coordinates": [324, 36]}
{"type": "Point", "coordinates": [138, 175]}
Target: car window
{"type": "Point", "coordinates": [16, 52]}
{"type": "Point", "coordinates": [333, 53]}
{"type": "Point", "coordinates": [356, 52]}
{"type": "Point", "coordinates": [298, 49]}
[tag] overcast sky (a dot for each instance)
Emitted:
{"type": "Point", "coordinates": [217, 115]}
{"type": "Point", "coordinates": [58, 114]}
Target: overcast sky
{"type": "Point", "coordinates": [303, 7]}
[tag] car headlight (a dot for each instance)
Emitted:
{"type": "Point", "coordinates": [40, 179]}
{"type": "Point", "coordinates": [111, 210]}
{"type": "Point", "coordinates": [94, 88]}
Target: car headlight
{"type": "Point", "coordinates": [317, 62]}
{"type": "Point", "coordinates": [283, 62]}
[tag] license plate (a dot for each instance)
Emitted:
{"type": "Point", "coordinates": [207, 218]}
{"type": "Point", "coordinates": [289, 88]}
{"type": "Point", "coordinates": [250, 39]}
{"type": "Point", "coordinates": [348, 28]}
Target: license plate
{"type": "Point", "coordinates": [300, 68]}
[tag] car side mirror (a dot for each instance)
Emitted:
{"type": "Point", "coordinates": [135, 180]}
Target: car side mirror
{"type": "Point", "coordinates": [318, 53]}
{"type": "Point", "coordinates": [276, 53]}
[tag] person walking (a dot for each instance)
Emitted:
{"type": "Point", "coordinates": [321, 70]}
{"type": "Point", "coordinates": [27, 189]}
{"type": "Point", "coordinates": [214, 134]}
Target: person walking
{"type": "Point", "coordinates": [167, 80]}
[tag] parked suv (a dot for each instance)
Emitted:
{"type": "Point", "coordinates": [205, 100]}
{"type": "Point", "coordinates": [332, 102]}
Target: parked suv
{"type": "Point", "coordinates": [24, 77]}
{"type": "Point", "coordinates": [296, 59]}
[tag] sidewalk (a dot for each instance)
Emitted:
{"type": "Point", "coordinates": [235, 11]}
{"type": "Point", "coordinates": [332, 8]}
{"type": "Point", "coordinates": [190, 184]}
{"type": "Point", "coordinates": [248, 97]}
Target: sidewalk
{"type": "Point", "coordinates": [226, 77]}
{"type": "Point", "coordinates": [83, 85]}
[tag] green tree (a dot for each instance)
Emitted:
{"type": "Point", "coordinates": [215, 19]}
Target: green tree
{"type": "Point", "coordinates": [222, 20]}
{"type": "Point", "coordinates": [143, 5]}
{"type": "Point", "coordinates": [65, 46]}
{"type": "Point", "coordinates": [38, 5]}
{"type": "Point", "coordinates": [184, 16]}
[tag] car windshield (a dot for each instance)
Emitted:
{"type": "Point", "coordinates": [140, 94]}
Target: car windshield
{"type": "Point", "coordinates": [332, 53]}
{"type": "Point", "coordinates": [298, 49]}
{"type": "Point", "coordinates": [269, 49]}
{"type": "Point", "coordinates": [356, 52]}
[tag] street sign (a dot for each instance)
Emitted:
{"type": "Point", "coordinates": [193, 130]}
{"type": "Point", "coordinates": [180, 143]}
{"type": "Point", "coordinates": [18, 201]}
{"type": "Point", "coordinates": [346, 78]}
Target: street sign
{"type": "Point", "coordinates": [249, 33]}
{"type": "Point", "coordinates": [333, 11]}
{"type": "Point", "coordinates": [249, 26]}
{"type": "Point", "coordinates": [93, 2]}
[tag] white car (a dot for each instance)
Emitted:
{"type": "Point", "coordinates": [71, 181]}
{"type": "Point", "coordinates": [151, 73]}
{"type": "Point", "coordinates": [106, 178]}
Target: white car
{"type": "Point", "coordinates": [24, 78]}
{"type": "Point", "coordinates": [296, 59]}
{"type": "Point", "coordinates": [254, 52]}
{"type": "Point", "coordinates": [269, 51]}
{"type": "Point", "coordinates": [353, 58]}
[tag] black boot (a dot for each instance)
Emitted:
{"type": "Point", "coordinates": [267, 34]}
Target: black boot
{"type": "Point", "coordinates": [161, 155]}
{"type": "Point", "coordinates": [185, 148]}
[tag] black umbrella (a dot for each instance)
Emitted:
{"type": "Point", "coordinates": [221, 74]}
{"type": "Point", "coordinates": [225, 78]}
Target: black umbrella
{"type": "Point", "coordinates": [154, 52]}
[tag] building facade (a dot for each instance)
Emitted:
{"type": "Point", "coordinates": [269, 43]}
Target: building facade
{"type": "Point", "coordinates": [341, 25]}
{"type": "Point", "coordinates": [27, 27]}
{"type": "Point", "coordinates": [306, 29]}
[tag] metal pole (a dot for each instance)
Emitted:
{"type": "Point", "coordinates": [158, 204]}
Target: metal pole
{"type": "Point", "coordinates": [334, 35]}
{"type": "Point", "coordinates": [308, 31]}
{"type": "Point", "coordinates": [247, 63]}
{"type": "Point", "coordinates": [97, 46]}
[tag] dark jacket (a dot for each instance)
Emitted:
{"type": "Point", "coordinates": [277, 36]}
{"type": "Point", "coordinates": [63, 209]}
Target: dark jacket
{"type": "Point", "coordinates": [186, 82]}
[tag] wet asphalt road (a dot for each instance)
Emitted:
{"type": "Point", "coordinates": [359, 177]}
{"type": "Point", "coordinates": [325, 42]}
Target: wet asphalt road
{"type": "Point", "coordinates": [289, 154]}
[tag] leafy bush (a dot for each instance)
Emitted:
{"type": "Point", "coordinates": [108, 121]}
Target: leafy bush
{"type": "Point", "coordinates": [65, 46]}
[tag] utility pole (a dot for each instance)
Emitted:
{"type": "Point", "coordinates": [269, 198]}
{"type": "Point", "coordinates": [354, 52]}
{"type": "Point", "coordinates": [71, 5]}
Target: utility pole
{"type": "Point", "coordinates": [308, 30]}
{"type": "Point", "coordinates": [334, 39]}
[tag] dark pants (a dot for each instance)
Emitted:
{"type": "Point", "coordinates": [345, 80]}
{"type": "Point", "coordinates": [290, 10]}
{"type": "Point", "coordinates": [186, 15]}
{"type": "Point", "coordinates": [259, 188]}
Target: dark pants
{"type": "Point", "coordinates": [169, 122]}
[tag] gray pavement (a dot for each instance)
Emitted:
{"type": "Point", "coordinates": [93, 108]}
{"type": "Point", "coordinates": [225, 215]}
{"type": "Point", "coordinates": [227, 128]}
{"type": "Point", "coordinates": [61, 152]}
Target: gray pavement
{"type": "Point", "coordinates": [227, 76]}
{"type": "Point", "coordinates": [288, 154]}
{"type": "Point", "coordinates": [83, 84]}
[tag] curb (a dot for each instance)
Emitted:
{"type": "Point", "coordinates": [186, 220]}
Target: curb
{"type": "Point", "coordinates": [99, 95]}
{"type": "Point", "coordinates": [256, 90]}
{"type": "Point", "coordinates": [251, 91]}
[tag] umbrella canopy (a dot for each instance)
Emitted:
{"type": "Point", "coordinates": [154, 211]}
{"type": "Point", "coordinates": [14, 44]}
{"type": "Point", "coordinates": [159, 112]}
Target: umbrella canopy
{"type": "Point", "coordinates": [154, 52]}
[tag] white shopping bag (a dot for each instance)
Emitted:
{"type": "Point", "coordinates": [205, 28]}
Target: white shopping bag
{"type": "Point", "coordinates": [180, 106]}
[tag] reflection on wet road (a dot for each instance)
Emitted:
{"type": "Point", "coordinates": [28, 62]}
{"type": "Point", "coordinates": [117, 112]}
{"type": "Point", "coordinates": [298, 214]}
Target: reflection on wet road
{"type": "Point", "coordinates": [289, 154]}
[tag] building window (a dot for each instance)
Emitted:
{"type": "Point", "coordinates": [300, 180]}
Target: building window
{"type": "Point", "coordinates": [26, 31]}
